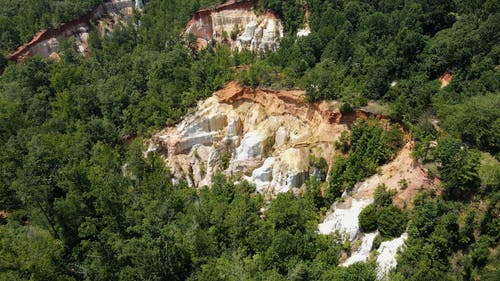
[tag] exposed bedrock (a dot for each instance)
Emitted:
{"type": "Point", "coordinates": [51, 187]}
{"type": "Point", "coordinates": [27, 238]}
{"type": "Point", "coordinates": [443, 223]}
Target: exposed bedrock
{"type": "Point", "coordinates": [105, 16]}
{"type": "Point", "coordinates": [238, 25]}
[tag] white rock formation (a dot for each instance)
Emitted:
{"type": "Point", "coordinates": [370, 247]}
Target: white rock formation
{"type": "Point", "coordinates": [291, 170]}
{"type": "Point", "coordinates": [387, 253]}
{"type": "Point", "coordinates": [252, 146]}
{"type": "Point", "coordinates": [261, 36]}
{"type": "Point", "coordinates": [362, 254]}
{"type": "Point", "coordinates": [105, 16]}
{"type": "Point", "coordinates": [237, 24]}
{"type": "Point", "coordinates": [344, 215]}
{"type": "Point", "coordinates": [139, 4]}
{"type": "Point", "coordinates": [344, 218]}
{"type": "Point", "coordinates": [263, 175]}
{"type": "Point", "coordinates": [267, 140]}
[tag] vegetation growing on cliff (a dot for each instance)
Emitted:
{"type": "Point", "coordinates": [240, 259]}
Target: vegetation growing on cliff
{"type": "Point", "coordinates": [21, 19]}
{"type": "Point", "coordinates": [75, 211]}
{"type": "Point", "coordinates": [382, 215]}
{"type": "Point", "coordinates": [368, 146]}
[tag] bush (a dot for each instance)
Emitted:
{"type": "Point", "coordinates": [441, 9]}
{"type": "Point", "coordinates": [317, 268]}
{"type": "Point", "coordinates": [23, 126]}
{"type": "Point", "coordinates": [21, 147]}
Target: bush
{"type": "Point", "coordinates": [343, 142]}
{"type": "Point", "coordinates": [376, 242]}
{"type": "Point", "coordinates": [458, 169]}
{"type": "Point", "coordinates": [391, 221]}
{"type": "Point", "coordinates": [361, 101]}
{"type": "Point", "coordinates": [235, 32]}
{"type": "Point", "coordinates": [382, 196]}
{"type": "Point", "coordinates": [403, 183]}
{"type": "Point", "coordinates": [368, 218]}
{"type": "Point", "coordinates": [321, 166]}
{"type": "Point", "coordinates": [345, 108]}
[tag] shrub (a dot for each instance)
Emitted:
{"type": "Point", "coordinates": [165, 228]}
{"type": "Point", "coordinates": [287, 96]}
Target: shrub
{"type": "Point", "coordinates": [368, 218]}
{"type": "Point", "coordinates": [320, 164]}
{"type": "Point", "coordinates": [225, 159]}
{"type": "Point", "coordinates": [376, 242]}
{"type": "Point", "coordinates": [403, 183]}
{"type": "Point", "coordinates": [343, 142]}
{"type": "Point", "coordinates": [361, 101]}
{"type": "Point", "coordinates": [391, 221]}
{"type": "Point", "coordinates": [234, 32]}
{"type": "Point", "coordinates": [345, 108]}
{"type": "Point", "coordinates": [382, 196]}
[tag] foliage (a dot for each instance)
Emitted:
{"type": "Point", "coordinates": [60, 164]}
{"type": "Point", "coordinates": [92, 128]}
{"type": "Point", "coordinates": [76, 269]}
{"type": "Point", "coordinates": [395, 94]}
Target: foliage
{"type": "Point", "coordinates": [458, 168]}
{"type": "Point", "coordinates": [383, 215]}
{"type": "Point", "coordinates": [345, 108]}
{"type": "Point", "coordinates": [370, 146]}
{"type": "Point", "coordinates": [20, 20]}
{"type": "Point", "coordinates": [84, 204]}
{"type": "Point", "coordinates": [391, 221]}
{"type": "Point", "coordinates": [368, 218]}
{"type": "Point", "coordinates": [475, 120]}
{"type": "Point", "coordinates": [319, 167]}
{"type": "Point", "coordinates": [440, 246]}
{"type": "Point", "coordinates": [489, 172]}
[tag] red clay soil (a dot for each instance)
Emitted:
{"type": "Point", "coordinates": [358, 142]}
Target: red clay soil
{"type": "Point", "coordinates": [3, 217]}
{"type": "Point", "coordinates": [234, 93]}
{"type": "Point", "coordinates": [23, 51]}
{"type": "Point", "coordinates": [445, 79]}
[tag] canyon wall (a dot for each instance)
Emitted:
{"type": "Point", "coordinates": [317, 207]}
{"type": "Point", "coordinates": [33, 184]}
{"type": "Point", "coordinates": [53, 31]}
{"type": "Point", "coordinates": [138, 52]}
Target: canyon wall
{"type": "Point", "coordinates": [260, 135]}
{"type": "Point", "coordinates": [267, 137]}
{"type": "Point", "coordinates": [238, 25]}
{"type": "Point", "coordinates": [105, 16]}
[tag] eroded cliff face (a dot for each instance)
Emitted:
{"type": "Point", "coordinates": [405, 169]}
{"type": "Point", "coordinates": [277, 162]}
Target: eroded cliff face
{"type": "Point", "coordinates": [259, 135]}
{"type": "Point", "coordinates": [236, 24]}
{"type": "Point", "coordinates": [105, 16]}
{"type": "Point", "coordinates": [266, 137]}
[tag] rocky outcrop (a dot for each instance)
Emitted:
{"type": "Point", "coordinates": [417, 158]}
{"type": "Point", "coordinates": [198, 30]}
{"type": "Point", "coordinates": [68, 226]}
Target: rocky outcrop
{"type": "Point", "coordinates": [268, 138]}
{"type": "Point", "coordinates": [265, 137]}
{"type": "Point", "coordinates": [237, 24]}
{"type": "Point", "coordinates": [105, 16]}
{"type": "Point", "coordinates": [260, 135]}
{"type": "Point", "coordinates": [387, 253]}
{"type": "Point", "coordinates": [255, 134]}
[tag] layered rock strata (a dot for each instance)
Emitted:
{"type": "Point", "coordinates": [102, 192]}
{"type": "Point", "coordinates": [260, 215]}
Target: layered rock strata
{"type": "Point", "coordinates": [237, 24]}
{"type": "Point", "coordinates": [105, 16]}
{"type": "Point", "coordinates": [259, 135]}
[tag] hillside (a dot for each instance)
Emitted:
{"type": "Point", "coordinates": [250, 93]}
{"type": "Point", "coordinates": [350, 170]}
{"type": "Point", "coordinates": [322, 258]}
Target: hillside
{"type": "Point", "coordinates": [250, 140]}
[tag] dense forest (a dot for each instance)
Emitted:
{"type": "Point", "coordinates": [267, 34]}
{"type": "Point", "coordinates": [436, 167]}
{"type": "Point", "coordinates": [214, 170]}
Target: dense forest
{"type": "Point", "coordinates": [67, 129]}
